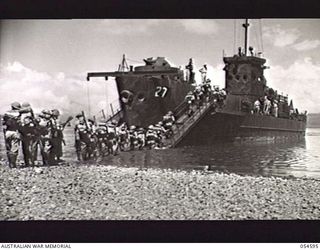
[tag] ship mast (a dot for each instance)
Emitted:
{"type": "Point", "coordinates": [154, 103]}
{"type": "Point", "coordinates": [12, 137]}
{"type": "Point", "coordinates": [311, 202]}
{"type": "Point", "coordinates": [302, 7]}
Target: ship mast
{"type": "Point", "coordinates": [245, 25]}
{"type": "Point", "coordinates": [123, 67]}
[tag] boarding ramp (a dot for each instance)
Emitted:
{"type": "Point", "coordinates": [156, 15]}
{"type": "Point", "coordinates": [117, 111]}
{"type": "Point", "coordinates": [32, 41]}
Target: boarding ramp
{"type": "Point", "coordinates": [184, 123]}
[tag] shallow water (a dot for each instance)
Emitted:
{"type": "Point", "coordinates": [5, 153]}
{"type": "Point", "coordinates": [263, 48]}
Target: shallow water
{"type": "Point", "coordinates": [298, 159]}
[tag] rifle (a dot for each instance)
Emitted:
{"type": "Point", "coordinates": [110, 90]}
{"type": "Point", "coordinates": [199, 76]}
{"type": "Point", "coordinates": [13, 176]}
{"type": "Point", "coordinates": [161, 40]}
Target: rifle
{"type": "Point", "coordinates": [85, 120]}
{"type": "Point", "coordinates": [4, 132]}
{"type": "Point", "coordinates": [66, 122]}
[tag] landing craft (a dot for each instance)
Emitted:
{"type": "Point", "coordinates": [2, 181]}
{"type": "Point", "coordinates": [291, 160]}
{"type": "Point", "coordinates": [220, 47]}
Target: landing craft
{"type": "Point", "coordinates": [148, 92]}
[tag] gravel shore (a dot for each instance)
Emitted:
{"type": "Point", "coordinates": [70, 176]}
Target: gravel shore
{"type": "Point", "coordinates": [98, 192]}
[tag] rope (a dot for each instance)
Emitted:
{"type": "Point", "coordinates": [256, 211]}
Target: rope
{"type": "Point", "coordinates": [257, 37]}
{"type": "Point", "coordinates": [88, 97]}
{"type": "Point", "coordinates": [132, 60]}
{"type": "Point", "coordinates": [106, 96]}
{"type": "Point", "coordinates": [239, 34]}
{"type": "Point", "coordinates": [260, 25]}
{"type": "Point", "coordinates": [234, 35]}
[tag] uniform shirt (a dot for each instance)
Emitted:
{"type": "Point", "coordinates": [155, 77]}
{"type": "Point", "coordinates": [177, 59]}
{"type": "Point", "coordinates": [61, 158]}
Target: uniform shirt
{"type": "Point", "coordinates": [11, 120]}
{"type": "Point", "coordinates": [151, 133]}
{"type": "Point", "coordinates": [80, 130]}
{"type": "Point", "coordinates": [24, 116]}
{"type": "Point", "coordinates": [44, 127]}
{"type": "Point", "coordinates": [203, 71]}
{"type": "Point", "coordinates": [57, 128]}
{"type": "Point", "coordinates": [168, 120]}
{"type": "Point", "coordinates": [257, 104]}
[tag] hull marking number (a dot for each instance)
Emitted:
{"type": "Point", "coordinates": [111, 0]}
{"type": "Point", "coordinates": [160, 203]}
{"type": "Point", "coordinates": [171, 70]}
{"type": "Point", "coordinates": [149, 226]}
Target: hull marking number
{"type": "Point", "coordinates": [161, 92]}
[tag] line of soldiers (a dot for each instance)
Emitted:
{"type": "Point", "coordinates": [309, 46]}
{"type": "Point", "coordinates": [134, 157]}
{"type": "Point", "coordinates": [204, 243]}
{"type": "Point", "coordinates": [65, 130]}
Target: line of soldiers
{"type": "Point", "coordinates": [204, 93]}
{"type": "Point", "coordinates": [94, 141]}
{"type": "Point", "coordinates": [22, 127]}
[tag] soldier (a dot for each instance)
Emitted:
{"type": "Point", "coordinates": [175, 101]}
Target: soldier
{"type": "Point", "coordinates": [190, 98]}
{"type": "Point", "coordinates": [113, 137]}
{"type": "Point", "coordinates": [45, 131]}
{"type": "Point", "coordinates": [133, 137]}
{"type": "Point", "coordinates": [203, 72]}
{"type": "Point", "coordinates": [191, 74]}
{"type": "Point", "coordinates": [141, 138]}
{"type": "Point", "coordinates": [222, 97]}
{"type": "Point", "coordinates": [256, 107]}
{"type": "Point", "coordinates": [198, 96]}
{"type": "Point", "coordinates": [12, 123]}
{"type": "Point", "coordinates": [78, 129]}
{"type": "Point", "coordinates": [93, 138]}
{"type": "Point", "coordinates": [275, 108]}
{"type": "Point", "coordinates": [29, 135]}
{"type": "Point", "coordinates": [151, 137]}
{"type": "Point", "coordinates": [102, 139]}
{"type": "Point", "coordinates": [160, 133]}
{"type": "Point", "coordinates": [206, 88]}
{"type": "Point", "coordinates": [85, 138]}
{"type": "Point", "coordinates": [266, 105]}
{"type": "Point", "coordinates": [124, 141]}
{"type": "Point", "coordinates": [82, 138]}
{"type": "Point", "coordinates": [57, 135]}
{"type": "Point", "coordinates": [168, 121]}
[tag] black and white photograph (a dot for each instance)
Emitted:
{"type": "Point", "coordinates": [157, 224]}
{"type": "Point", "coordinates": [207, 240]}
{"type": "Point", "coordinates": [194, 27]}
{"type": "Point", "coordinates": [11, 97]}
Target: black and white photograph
{"type": "Point", "coordinates": [160, 119]}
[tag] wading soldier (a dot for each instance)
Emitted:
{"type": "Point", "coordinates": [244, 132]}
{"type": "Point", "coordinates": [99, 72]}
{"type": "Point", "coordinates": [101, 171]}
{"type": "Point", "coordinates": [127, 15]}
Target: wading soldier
{"type": "Point", "coordinates": [12, 123]}
{"type": "Point", "coordinates": [83, 141]}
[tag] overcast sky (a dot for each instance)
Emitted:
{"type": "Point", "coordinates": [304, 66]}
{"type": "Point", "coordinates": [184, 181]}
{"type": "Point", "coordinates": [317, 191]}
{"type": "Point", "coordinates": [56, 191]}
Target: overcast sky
{"type": "Point", "coordinates": [45, 61]}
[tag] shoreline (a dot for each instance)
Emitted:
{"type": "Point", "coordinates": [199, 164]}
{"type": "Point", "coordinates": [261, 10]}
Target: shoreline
{"type": "Point", "coordinates": [101, 192]}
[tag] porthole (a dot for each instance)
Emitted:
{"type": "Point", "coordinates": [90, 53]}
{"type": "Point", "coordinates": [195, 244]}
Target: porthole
{"type": "Point", "coordinates": [141, 97]}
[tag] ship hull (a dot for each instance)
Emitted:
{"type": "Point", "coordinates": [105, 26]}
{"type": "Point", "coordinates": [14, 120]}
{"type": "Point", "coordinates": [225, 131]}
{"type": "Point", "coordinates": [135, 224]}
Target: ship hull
{"type": "Point", "coordinates": [217, 127]}
{"type": "Point", "coordinates": [151, 99]}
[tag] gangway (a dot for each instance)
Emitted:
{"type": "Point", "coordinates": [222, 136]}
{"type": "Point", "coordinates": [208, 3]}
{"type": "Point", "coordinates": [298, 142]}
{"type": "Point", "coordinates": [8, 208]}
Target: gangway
{"type": "Point", "coordinates": [185, 123]}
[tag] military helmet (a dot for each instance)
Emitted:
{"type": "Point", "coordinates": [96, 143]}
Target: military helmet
{"type": "Point", "coordinates": [55, 112]}
{"type": "Point", "coordinates": [79, 115]}
{"type": "Point", "coordinates": [170, 112]}
{"type": "Point", "coordinates": [15, 105]}
{"type": "Point", "coordinates": [151, 126]}
{"type": "Point", "coordinates": [160, 123]}
{"type": "Point", "coordinates": [25, 105]}
{"type": "Point", "coordinates": [132, 127]}
{"type": "Point", "coordinates": [46, 112]}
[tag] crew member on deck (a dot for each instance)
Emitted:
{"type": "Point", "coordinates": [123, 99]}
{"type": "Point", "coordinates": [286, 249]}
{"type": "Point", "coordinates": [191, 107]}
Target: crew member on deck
{"type": "Point", "coordinates": [189, 67]}
{"type": "Point", "coordinates": [203, 72]}
{"type": "Point", "coordinates": [256, 107]}
{"type": "Point", "coordinates": [266, 106]}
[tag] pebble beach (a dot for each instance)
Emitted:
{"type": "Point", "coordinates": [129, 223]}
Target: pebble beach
{"type": "Point", "coordinates": [101, 192]}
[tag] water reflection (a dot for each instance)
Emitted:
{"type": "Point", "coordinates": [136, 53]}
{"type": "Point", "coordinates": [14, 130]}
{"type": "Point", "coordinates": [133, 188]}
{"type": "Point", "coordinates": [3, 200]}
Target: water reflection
{"type": "Point", "coordinates": [283, 159]}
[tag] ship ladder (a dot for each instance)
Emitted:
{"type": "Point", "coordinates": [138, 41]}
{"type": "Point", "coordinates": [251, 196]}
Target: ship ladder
{"type": "Point", "coordinates": [184, 123]}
